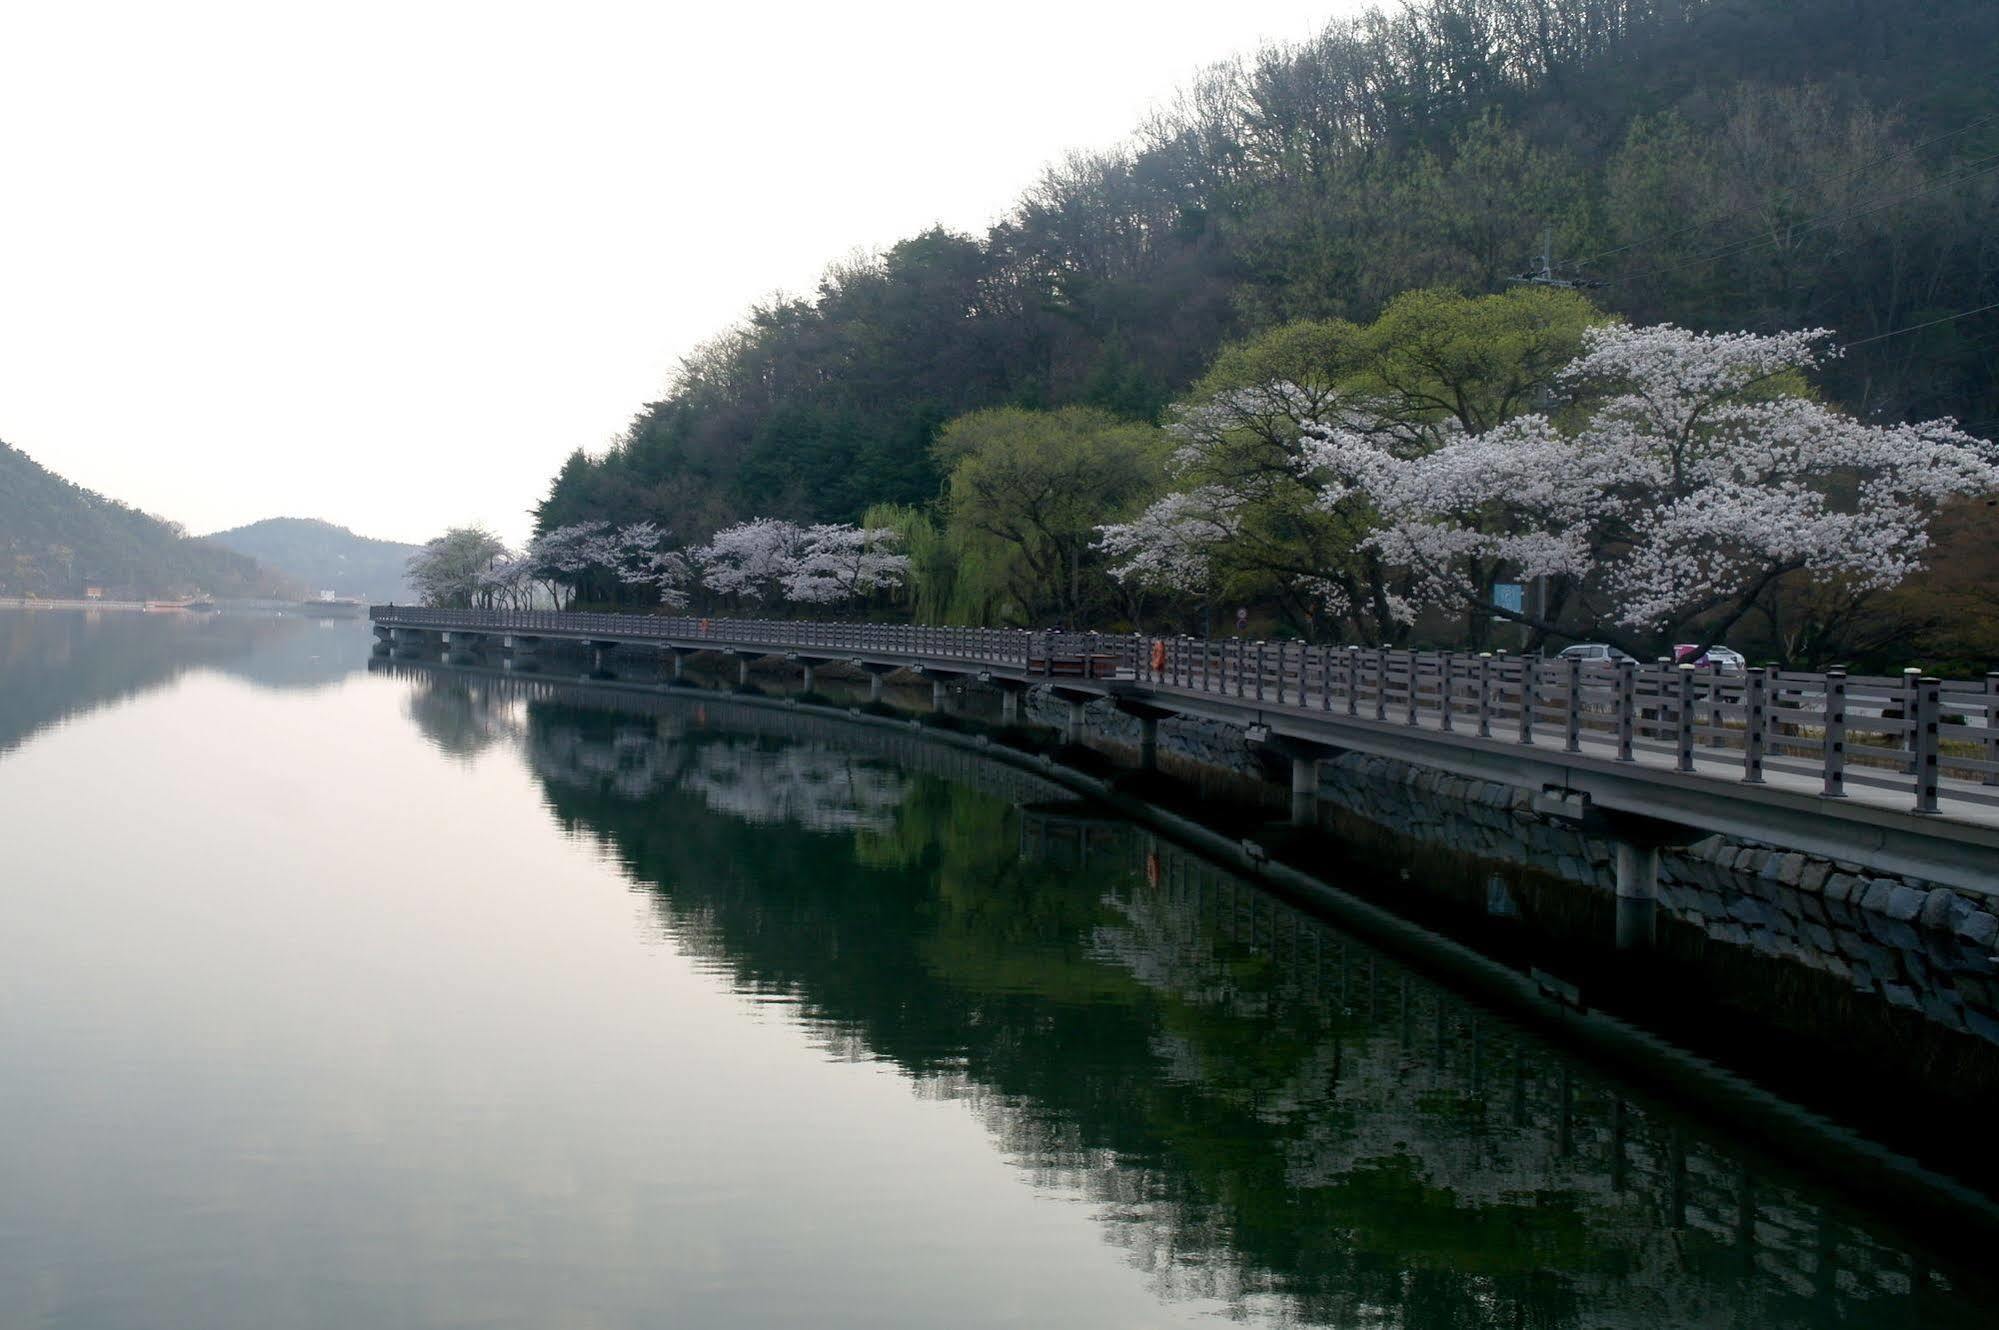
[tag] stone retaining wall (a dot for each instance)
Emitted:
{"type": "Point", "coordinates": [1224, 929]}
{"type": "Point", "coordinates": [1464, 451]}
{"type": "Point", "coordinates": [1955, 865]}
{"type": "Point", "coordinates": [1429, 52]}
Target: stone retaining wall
{"type": "Point", "coordinates": [1915, 945]}
{"type": "Point", "coordinates": [1909, 942]}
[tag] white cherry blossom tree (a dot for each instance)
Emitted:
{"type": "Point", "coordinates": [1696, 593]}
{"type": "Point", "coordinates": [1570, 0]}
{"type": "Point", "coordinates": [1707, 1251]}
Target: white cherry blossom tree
{"type": "Point", "coordinates": [751, 560]}
{"type": "Point", "coordinates": [837, 562]}
{"type": "Point", "coordinates": [1697, 473]}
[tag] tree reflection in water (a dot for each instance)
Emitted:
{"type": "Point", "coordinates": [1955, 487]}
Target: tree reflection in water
{"type": "Point", "coordinates": [1259, 1108]}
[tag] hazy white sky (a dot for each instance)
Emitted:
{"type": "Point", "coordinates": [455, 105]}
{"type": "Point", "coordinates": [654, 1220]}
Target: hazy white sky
{"type": "Point", "coordinates": [388, 264]}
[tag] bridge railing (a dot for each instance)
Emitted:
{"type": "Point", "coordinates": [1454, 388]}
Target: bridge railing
{"type": "Point", "coordinates": [1910, 733]}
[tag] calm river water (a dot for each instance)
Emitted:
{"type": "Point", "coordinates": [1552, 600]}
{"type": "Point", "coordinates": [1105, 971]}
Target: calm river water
{"type": "Point", "coordinates": [417, 998]}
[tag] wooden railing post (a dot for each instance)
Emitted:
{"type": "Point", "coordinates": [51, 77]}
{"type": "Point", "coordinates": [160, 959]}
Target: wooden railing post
{"type": "Point", "coordinates": [1353, 680]}
{"type": "Point", "coordinates": [1911, 681]}
{"type": "Point", "coordinates": [1572, 739]}
{"type": "Point", "coordinates": [1684, 719]}
{"type": "Point", "coordinates": [1447, 683]}
{"type": "Point", "coordinates": [1627, 706]}
{"type": "Point", "coordinates": [1928, 742]}
{"type": "Point", "coordinates": [1756, 734]}
{"type": "Point", "coordinates": [1529, 687]}
{"type": "Point", "coordinates": [1835, 735]}
{"type": "Point", "coordinates": [1485, 694]}
{"type": "Point", "coordinates": [1415, 692]}
{"type": "Point", "coordinates": [1261, 665]}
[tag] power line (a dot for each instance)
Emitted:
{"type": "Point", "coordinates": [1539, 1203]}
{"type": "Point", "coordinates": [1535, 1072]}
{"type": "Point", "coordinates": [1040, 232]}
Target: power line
{"type": "Point", "coordinates": [1816, 180]}
{"type": "Point", "coordinates": [1918, 327]}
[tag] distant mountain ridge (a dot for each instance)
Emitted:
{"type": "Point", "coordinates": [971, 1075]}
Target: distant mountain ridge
{"type": "Point", "coordinates": [324, 557]}
{"type": "Point", "coordinates": [59, 539]}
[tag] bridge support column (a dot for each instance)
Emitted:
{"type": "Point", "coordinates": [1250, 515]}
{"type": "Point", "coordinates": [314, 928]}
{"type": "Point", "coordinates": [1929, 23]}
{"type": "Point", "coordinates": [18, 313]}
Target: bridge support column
{"type": "Point", "coordinates": [1637, 896]}
{"type": "Point", "coordinates": [517, 645]}
{"type": "Point", "coordinates": [1010, 691]}
{"type": "Point", "coordinates": [806, 677]}
{"type": "Point", "coordinates": [1148, 718]}
{"type": "Point", "coordinates": [877, 671]}
{"type": "Point", "coordinates": [1078, 718]}
{"type": "Point", "coordinates": [1304, 791]}
{"type": "Point", "coordinates": [1305, 757]}
{"type": "Point", "coordinates": [742, 671]}
{"type": "Point", "coordinates": [940, 696]}
{"type": "Point", "coordinates": [679, 656]}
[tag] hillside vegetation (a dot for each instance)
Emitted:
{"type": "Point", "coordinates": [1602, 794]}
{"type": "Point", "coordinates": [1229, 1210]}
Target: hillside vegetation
{"type": "Point", "coordinates": [323, 557]}
{"type": "Point", "coordinates": [1721, 164]}
{"type": "Point", "coordinates": [57, 538]}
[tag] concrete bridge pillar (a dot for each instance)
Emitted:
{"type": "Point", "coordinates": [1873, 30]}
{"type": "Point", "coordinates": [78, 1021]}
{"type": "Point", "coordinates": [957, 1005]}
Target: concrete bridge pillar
{"type": "Point", "coordinates": [679, 656]}
{"type": "Point", "coordinates": [518, 645]}
{"type": "Point", "coordinates": [1010, 694]}
{"type": "Point", "coordinates": [876, 673]}
{"type": "Point", "coordinates": [940, 696]}
{"type": "Point", "coordinates": [1305, 757]}
{"type": "Point", "coordinates": [742, 671]}
{"type": "Point", "coordinates": [1148, 718]}
{"type": "Point", "coordinates": [1304, 790]}
{"type": "Point", "coordinates": [1075, 730]}
{"type": "Point", "coordinates": [807, 675]}
{"type": "Point", "coordinates": [1637, 896]}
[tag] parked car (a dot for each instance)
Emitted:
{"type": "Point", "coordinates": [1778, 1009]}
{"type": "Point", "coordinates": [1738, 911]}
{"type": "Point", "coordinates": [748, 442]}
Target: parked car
{"type": "Point", "coordinates": [1719, 659]}
{"type": "Point", "coordinates": [1600, 652]}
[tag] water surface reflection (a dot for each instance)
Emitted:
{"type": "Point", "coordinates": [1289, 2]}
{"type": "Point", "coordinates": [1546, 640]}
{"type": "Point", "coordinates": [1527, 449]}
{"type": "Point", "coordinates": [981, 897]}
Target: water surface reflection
{"type": "Point", "coordinates": [1262, 1110]}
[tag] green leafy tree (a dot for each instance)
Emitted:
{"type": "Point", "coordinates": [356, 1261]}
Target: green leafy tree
{"type": "Point", "coordinates": [1027, 492]}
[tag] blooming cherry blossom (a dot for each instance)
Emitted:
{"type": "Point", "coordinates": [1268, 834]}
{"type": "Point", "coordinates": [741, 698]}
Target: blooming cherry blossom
{"type": "Point", "coordinates": [1694, 480]}
{"type": "Point", "coordinates": [752, 559]}
{"type": "Point", "coordinates": [837, 562]}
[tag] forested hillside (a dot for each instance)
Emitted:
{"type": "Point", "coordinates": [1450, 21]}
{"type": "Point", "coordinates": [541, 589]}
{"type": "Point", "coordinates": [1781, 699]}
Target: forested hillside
{"type": "Point", "coordinates": [324, 557]}
{"type": "Point", "coordinates": [1722, 164]}
{"type": "Point", "coordinates": [57, 538]}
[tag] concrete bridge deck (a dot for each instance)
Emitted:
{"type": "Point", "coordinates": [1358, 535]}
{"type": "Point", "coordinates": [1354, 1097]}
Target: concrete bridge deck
{"type": "Point", "coordinates": [1899, 775]}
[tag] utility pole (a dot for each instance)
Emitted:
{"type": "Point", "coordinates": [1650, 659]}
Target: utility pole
{"type": "Point", "coordinates": [1544, 275]}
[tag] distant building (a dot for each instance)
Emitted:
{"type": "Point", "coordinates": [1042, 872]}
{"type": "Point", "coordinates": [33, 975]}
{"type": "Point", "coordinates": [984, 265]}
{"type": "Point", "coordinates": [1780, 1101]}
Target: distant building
{"type": "Point", "coordinates": [93, 593]}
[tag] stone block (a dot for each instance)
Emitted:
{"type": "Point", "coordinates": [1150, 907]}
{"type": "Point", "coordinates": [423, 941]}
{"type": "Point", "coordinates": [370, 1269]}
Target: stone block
{"type": "Point", "coordinates": [1901, 995]}
{"type": "Point", "coordinates": [1879, 890]}
{"type": "Point", "coordinates": [1790, 869]}
{"type": "Point", "coordinates": [1979, 928]}
{"type": "Point", "coordinates": [1941, 909]}
{"type": "Point", "coordinates": [1840, 885]}
{"type": "Point", "coordinates": [1905, 903]}
{"type": "Point", "coordinates": [1814, 877]}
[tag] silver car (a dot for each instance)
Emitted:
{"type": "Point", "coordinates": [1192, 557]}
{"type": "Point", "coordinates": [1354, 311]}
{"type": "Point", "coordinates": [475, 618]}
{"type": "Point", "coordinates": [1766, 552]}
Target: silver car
{"type": "Point", "coordinates": [1597, 652]}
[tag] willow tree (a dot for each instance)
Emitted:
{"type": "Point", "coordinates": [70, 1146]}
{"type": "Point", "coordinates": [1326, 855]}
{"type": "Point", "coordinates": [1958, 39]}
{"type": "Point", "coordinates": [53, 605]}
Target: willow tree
{"type": "Point", "coordinates": [1027, 492]}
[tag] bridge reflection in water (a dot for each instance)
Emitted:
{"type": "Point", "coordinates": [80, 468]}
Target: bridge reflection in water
{"type": "Point", "coordinates": [1259, 1108]}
